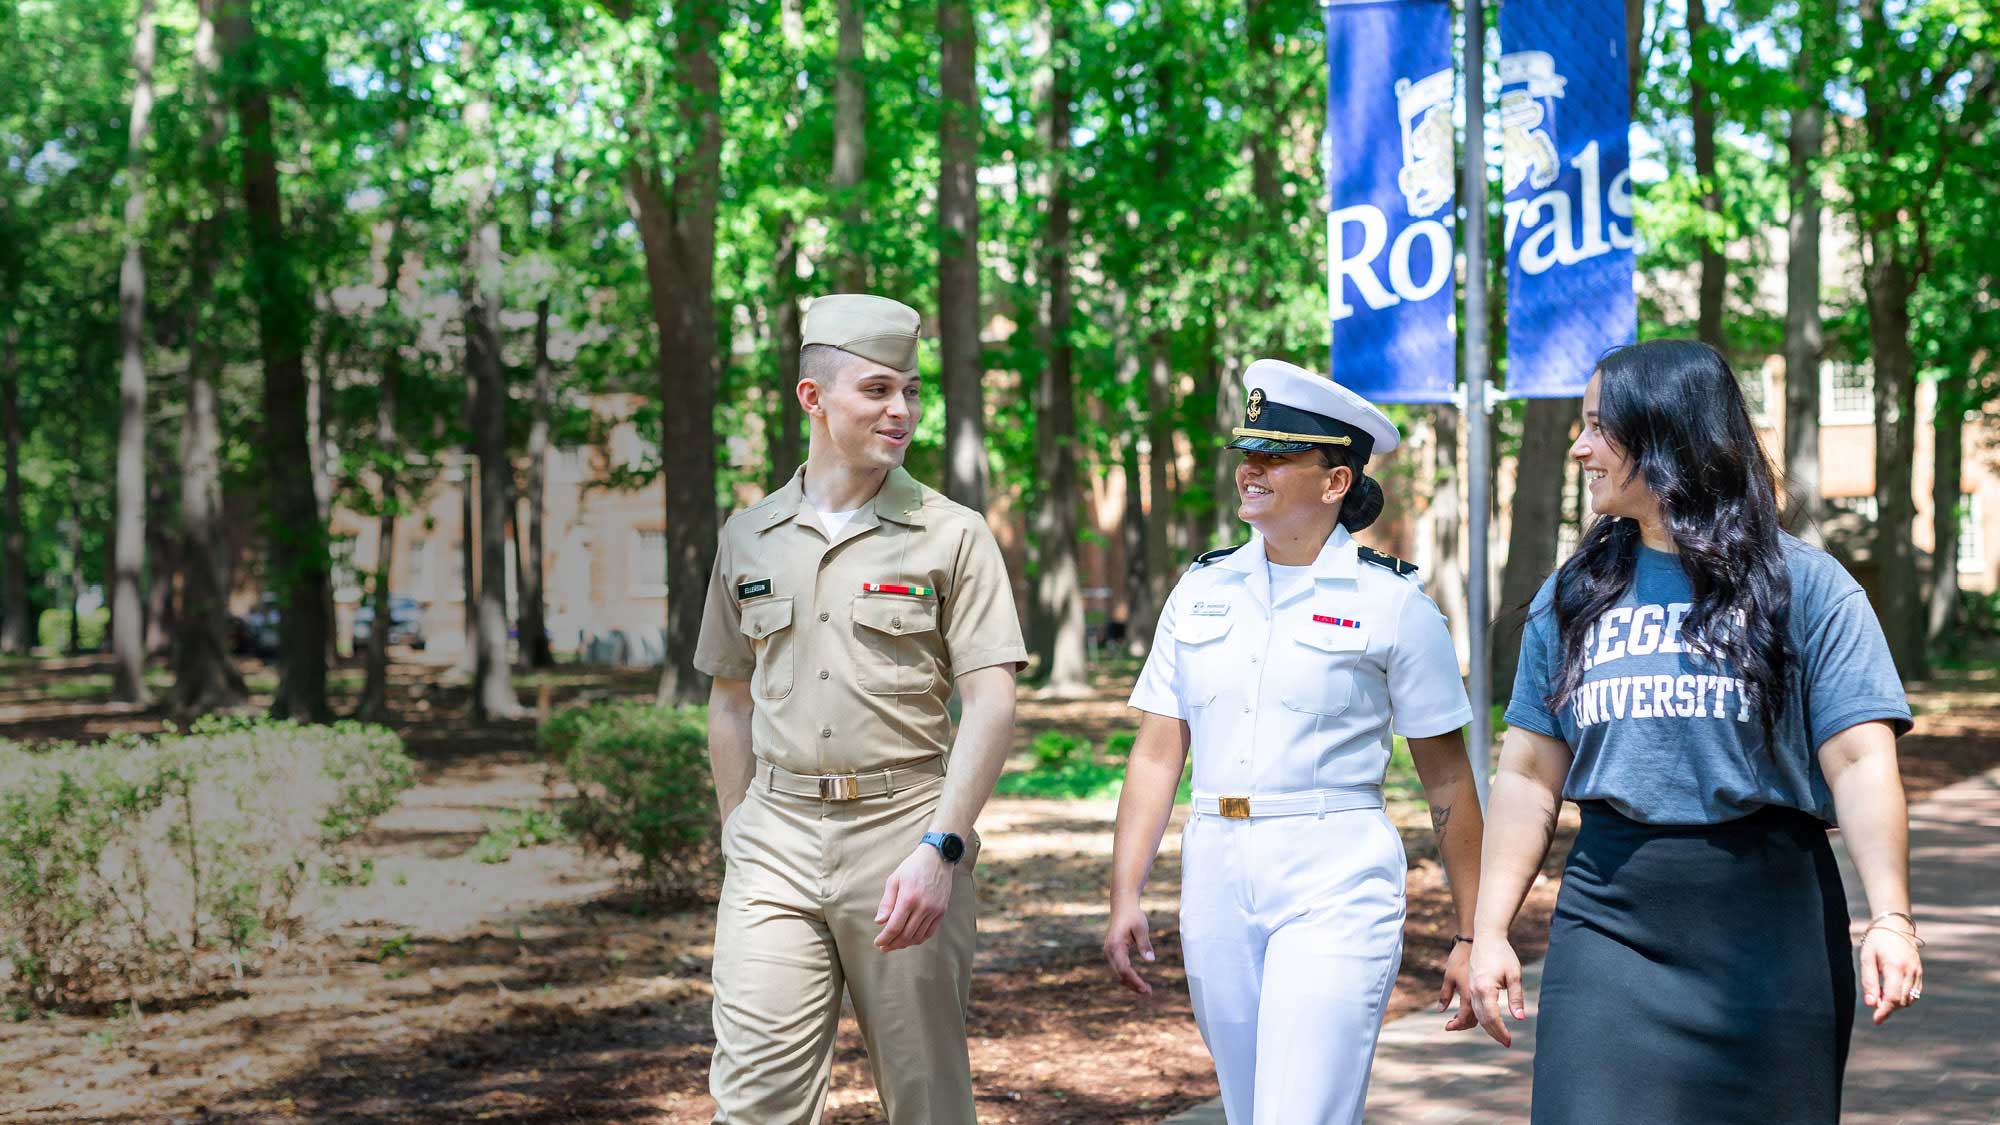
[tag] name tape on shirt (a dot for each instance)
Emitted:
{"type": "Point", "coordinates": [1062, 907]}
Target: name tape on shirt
{"type": "Point", "coordinates": [1211, 609]}
{"type": "Point", "coordinates": [894, 588]}
{"type": "Point", "coordinates": [1343, 622]}
{"type": "Point", "coordinates": [747, 590]}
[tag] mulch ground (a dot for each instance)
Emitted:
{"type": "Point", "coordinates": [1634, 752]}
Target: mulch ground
{"type": "Point", "coordinates": [538, 991]}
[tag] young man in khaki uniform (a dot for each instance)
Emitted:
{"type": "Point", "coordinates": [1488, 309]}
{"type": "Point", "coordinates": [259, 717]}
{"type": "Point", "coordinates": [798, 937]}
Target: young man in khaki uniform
{"type": "Point", "coordinates": [843, 610]}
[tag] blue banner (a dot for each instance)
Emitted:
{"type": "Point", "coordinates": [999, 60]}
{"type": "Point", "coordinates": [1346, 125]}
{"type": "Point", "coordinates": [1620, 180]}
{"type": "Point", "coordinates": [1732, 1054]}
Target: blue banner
{"type": "Point", "coordinates": [1564, 114]}
{"type": "Point", "coordinates": [1390, 181]}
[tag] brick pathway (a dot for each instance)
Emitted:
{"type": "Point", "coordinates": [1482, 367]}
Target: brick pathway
{"type": "Point", "coordinates": [1938, 1062]}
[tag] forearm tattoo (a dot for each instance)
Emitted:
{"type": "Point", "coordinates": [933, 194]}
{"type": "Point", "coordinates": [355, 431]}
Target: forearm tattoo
{"type": "Point", "coordinates": [1440, 816]}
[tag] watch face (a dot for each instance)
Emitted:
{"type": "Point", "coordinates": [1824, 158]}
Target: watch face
{"type": "Point", "coordinates": [953, 847]}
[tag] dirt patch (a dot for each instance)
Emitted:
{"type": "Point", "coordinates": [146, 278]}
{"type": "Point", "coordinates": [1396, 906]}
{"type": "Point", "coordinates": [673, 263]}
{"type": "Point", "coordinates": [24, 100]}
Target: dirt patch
{"type": "Point", "coordinates": [532, 991]}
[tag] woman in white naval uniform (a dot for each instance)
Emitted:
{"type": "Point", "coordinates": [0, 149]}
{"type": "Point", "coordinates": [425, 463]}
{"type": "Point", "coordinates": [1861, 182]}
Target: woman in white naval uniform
{"type": "Point", "coordinates": [1286, 664]}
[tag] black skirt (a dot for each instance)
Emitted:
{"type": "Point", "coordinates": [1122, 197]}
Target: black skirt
{"type": "Point", "coordinates": [1696, 974]}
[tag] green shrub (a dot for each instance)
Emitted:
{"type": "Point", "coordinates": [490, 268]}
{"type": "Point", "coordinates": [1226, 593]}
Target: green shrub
{"type": "Point", "coordinates": [130, 860]}
{"type": "Point", "coordinates": [52, 630]}
{"type": "Point", "coordinates": [516, 829]}
{"type": "Point", "coordinates": [643, 789]}
{"type": "Point", "coordinates": [1119, 745]}
{"type": "Point", "coordinates": [1053, 748]}
{"type": "Point", "coordinates": [1077, 780]}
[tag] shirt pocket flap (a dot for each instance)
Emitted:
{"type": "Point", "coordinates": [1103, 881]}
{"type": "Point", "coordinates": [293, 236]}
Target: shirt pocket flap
{"type": "Point", "coordinates": [765, 616]}
{"type": "Point", "coordinates": [1201, 630]}
{"type": "Point", "coordinates": [895, 614]}
{"type": "Point", "coordinates": [1333, 638]}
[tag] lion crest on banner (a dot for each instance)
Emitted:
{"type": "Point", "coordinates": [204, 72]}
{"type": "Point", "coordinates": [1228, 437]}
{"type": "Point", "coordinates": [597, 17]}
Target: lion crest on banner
{"type": "Point", "coordinates": [1423, 110]}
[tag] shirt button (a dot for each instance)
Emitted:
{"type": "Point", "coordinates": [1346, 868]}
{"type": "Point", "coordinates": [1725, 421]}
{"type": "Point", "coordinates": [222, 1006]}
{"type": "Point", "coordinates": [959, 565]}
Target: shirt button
{"type": "Point", "coordinates": [826, 732]}
{"type": "Point", "coordinates": [822, 617]}
{"type": "Point", "coordinates": [895, 623]}
{"type": "Point", "coordinates": [1253, 660]}
{"type": "Point", "coordinates": [822, 673]}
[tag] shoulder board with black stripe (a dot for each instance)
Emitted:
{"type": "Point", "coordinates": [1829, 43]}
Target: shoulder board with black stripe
{"type": "Point", "coordinates": [1400, 567]}
{"type": "Point", "coordinates": [1209, 558]}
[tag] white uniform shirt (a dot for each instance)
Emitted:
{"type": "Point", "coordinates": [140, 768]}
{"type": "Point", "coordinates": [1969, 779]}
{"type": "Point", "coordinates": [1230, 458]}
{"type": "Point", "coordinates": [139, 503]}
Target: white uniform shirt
{"type": "Point", "coordinates": [1303, 694]}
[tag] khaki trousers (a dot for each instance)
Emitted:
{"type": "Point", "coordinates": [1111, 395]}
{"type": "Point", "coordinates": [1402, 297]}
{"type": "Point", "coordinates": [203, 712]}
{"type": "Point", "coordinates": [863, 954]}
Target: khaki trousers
{"type": "Point", "coordinates": [797, 924]}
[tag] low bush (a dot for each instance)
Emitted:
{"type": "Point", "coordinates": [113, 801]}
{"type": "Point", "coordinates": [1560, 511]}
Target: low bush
{"type": "Point", "coordinates": [128, 861]}
{"type": "Point", "coordinates": [643, 789]}
{"type": "Point", "coordinates": [52, 630]}
{"type": "Point", "coordinates": [1053, 748]}
{"type": "Point", "coordinates": [516, 829]}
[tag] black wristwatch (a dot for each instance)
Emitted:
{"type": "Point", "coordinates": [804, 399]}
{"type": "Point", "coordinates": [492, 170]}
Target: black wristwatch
{"type": "Point", "coordinates": [947, 843]}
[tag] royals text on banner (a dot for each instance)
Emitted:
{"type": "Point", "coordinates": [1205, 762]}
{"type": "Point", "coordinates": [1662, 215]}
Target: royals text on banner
{"type": "Point", "coordinates": [1389, 175]}
{"type": "Point", "coordinates": [1564, 113]}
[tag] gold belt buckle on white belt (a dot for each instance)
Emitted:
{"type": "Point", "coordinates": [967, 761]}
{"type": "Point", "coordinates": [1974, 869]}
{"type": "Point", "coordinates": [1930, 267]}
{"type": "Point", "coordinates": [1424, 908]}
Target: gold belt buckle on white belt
{"type": "Point", "coordinates": [840, 787]}
{"type": "Point", "coordinates": [1235, 808]}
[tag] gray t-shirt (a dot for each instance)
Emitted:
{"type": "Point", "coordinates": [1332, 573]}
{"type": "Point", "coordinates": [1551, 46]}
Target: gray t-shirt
{"type": "Point", "coordinates": [1669, 737]}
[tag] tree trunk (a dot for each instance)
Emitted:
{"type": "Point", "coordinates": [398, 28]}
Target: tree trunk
{"type": "Point", "coordinates": [850, 146]}
{"type": "Point", "coordinates": [205, 679]}
{"type": "Point", "coordinates": [1160, 450]}
{"type": "Point", "coordinates": [1142, 614]}
{"type": "Point", "coordinates": [375, 688]}
{"type": "Point", "coordinates": [958, 259]}
{"type": "Point", "coordinates": [530, 563]}
{"type": "Point", "coordinates": [1536, 522]}
{"type": "Point", "coordinates": [492, 679]}
{"type": "Point", "coordinates": [1890, 282]}
{"type": "Point", "coordinates": [677, 226]}
{"type": "Point", "coordinates": [1701, 112]}
{"type": "Point", "coordinates": [17, 633]}
{"type": "Point", "coordinates": [1058, 603]}
{"type": "Point", "coordinates": [75, 646]}
{"type": "Point", "coordinates": [1443, 523]}
{"type": "Point", "coordinates": [787, 446]}
{"type": "Point", "coordinates": [1889, 287]}
{"type": "Point", "coordinates": [163, 557]}
{"type": "Point", "coordinates": [1947, 493]}
{"type": "Point", "coordinates": [128, 595]}
{"type": "Point", "coordinates": [468, 537]}
{"type": "Point", "coordinates": [297, 537]}
{"type": "Point", "coordinates": [1804, 338]}
{"type": "Point", "coordinates": [1264, 222]}
{"type": "Point", "coordinates": [1636, 50]}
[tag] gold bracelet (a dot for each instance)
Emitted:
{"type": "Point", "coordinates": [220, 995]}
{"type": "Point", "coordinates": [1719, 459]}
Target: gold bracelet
{"type": "Point", "coordinates": [1893, 914]}
{"type": "Point", "coordinates": [1912, 938]}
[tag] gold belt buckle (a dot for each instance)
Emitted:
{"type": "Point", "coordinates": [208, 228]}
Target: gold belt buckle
{"type": "Point", "coordinates": [839, 787]}
{"type": "Point", "coordinates": [1235, 808]}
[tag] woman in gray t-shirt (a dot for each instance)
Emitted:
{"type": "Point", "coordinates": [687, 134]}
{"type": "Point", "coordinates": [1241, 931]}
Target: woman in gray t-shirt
{"type": "Point", "coordinates": [1712, 693]}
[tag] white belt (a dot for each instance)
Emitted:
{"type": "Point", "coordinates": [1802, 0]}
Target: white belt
{"type": "Point", "coordinates": [1345, 798]}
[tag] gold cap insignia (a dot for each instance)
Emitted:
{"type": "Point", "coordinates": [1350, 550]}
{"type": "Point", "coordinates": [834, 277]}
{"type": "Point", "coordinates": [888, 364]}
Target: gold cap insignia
{"type": "Point", "coordinates": [1256, 402]}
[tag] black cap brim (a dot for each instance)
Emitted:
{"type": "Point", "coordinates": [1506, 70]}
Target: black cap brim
{"type": "Point", "coordinates": [1271, 445]}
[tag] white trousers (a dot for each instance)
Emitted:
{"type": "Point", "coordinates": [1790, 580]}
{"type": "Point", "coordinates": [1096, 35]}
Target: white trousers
{"type": "Point", "coordinates": [1292, 931]}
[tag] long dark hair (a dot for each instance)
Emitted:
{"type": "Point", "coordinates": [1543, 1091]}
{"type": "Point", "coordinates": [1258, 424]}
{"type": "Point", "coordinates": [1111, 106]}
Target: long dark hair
{"type": "Point", "coordinates": [1674, 409]}
{"type": "Point", "coordinates": [1364, 499]}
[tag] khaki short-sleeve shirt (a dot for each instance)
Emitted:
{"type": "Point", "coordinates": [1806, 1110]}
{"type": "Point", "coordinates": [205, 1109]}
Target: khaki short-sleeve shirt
{"type": "Point", "coordinates": [851, 646]}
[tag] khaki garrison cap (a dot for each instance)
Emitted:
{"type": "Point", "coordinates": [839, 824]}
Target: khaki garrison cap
{"type": "Point", "coordinates": [874, 328]}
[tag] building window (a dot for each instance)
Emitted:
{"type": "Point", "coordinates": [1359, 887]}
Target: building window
{"type": "Point", "coordinates": [423, 572]}
{"type": "Point", "coordinates": [454, 572]}
{"type": "Point", "coordinates": [1846, 394]}
{"type": "Point", "coordinates": [568, 464]}
{"type": "Point", "coordinates": [1568, 538]}
{"type": "Point", "coordinates": [1754, 394]}
{"type": "Point", "coordinates": [1863, 506]}
{"type": "Point", "coordinates": [346, 584]}
{"type": "Point", "coordinates": [1971, 535]}
{"type": "Point", "coordinates": [649, 564]}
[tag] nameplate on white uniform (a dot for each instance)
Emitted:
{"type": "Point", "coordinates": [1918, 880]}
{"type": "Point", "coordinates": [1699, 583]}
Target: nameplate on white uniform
{"type": "Point", "coordinates": [1211, 609]}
